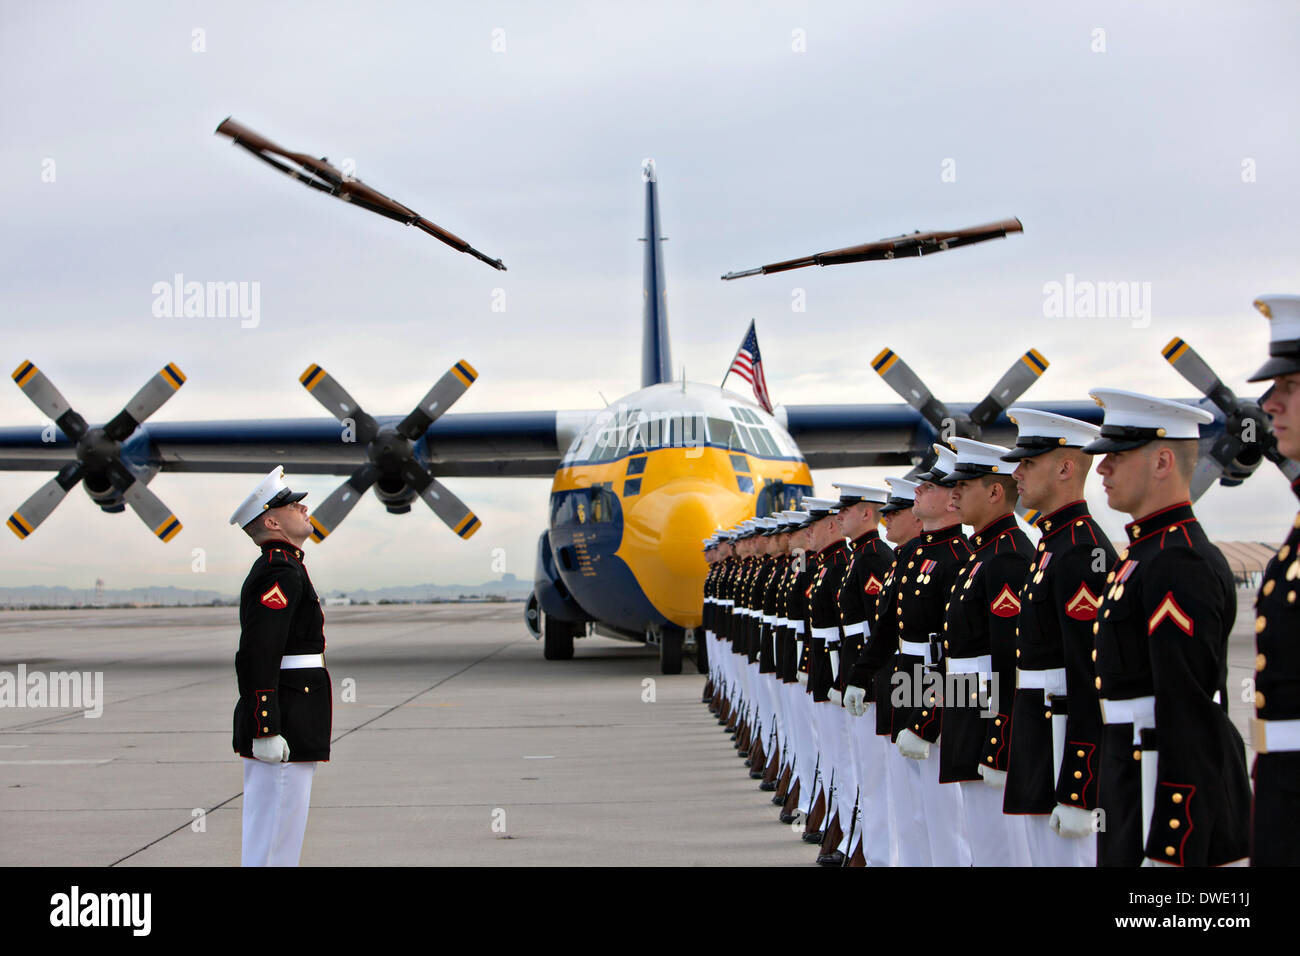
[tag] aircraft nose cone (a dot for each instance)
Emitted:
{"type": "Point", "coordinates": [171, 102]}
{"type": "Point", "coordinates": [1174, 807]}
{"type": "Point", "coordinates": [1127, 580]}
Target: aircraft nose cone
{"type": "Point", "coordinates": [663, 544]}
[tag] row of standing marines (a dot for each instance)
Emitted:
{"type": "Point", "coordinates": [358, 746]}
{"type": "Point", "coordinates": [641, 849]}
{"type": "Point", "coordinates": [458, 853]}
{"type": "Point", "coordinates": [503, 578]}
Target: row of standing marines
{"type": "Point", "coordinates": [976, 699]}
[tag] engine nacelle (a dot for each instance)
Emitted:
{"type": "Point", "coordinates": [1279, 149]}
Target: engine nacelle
{"type": "Point", "coordinates": [395, 494]}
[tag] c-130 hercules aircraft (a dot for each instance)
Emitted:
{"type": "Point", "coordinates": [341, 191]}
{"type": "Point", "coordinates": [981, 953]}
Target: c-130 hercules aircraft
{"type": "Point", "coordinates": [636, 486]}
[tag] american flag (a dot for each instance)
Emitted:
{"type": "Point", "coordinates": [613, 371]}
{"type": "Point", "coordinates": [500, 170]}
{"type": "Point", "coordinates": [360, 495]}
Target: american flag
{"type": "Point", "coordinates": [748, 364]}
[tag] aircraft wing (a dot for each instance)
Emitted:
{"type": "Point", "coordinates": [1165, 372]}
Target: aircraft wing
{"type": "Point", "coordinates": [514, 444]}
{"type": "Point", "coordinates": [849, 436]}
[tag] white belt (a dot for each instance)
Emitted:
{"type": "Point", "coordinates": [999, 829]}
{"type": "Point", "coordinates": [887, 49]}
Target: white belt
{"type": "Point", "coordinates": [294, 661]}
{"type": "Point", "coordinates": [708, 600]}
{"type": "Point", "coordinates": [971, 665]}
{"type": "Point", "coordinates": [725, 603]}
{"type": "Point", "coordinates": [916, 649]}
{"type": "Point", "coordinates": [1273, 736]}
{"type": "Point", "coordinates": [826, 633]}
{"type": "Point", "coordinates": [1138, 711]}
{"type": "Point", "coordinates": [797, 626]}
{"type": "Point", "coordinates": [769, 620]}
{"type": "Point", "coordinates": [851, 629]}
{"type": "Point", "coordinates": [1050, 681]}
{"type": "Point", "coordinates": [781, 621]}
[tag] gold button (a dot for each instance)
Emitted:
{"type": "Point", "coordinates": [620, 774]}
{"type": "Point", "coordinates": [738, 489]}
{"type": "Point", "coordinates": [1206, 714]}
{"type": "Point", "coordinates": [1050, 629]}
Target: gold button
{"type": "Point", "coordinates": [1078, 753]}
{"type": "Point", "coordinates": [1174, 824]}
{"type": "Point", "coordinates": [1097, 682]}
{"type": "Point", "coordinates": [1110, 577]}
{"type": "Point", "coordinates": [266, 730]}
{"type": "Point", "coordinates": [1047, 714]}
{"type": "Point", "coordinates": [1259, 700]}
{"type": "Point", "coordinates": [306, 690]}
{"type": "Point", "coordinates": [1107, 614]}
{"type": "Point", "coordinates": [1178, 798]}
{"type": "Point", "coordinates": [924, 713]}
{"type": "Point", "coordinates": [263, 713]}
{"type": "Point", "coordinates": [1268, 587]}
{"type": "Point", "coordinates": [997, 722]}
{"type": "Point", "coordinates": [1284, 552]}
{"type": "Point", "coordinates": [993, 740]}
{"type": "Point", "coordinates": [910, 564]}
{"type": "Point", "coordinates": [1074, 796]}
{"type": "Point", "coordinates": [263, 697]}
{"type": "Point", "coordinates": [1017, 652]}
{"type": "Point", "coordinates": [1123, 555]}
{"type": "Point", "coordinates": [1169, 851]}
{"type": "Point", "coordinates": [1259, 662]}
{"type": "Point", "coordinates": [1290, 598]}
{"type": "Point", "coordinates": [1260, 623]}
{"type": "Point", "coordinates": [1078, 775]}
{"type": "Point", "coordinates": [990, 759]}
{"type": "Point", "coordinates": [1137, 755]}
{"type": "Point", "coordinates": [945, 645]}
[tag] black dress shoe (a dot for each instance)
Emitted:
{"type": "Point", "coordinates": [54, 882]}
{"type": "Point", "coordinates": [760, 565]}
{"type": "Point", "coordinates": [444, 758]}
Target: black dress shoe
{"type": "Point", "coordinates": [756, 774]}
{"type": "Point", "coordinates": [834, 858]}
{"type": "Point", "coordinates": [815, 837]}
{"type": "Point", "coordinates": [767, 785]}
{"type": "Point", "coordinates": [787, 818]}
{"type": "Point", "coordinates": [778, 800]}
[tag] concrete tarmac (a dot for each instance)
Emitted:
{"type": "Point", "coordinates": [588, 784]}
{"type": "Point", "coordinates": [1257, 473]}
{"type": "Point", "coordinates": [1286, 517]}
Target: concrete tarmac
{"type": "Point", "coordinates": [455, 743]}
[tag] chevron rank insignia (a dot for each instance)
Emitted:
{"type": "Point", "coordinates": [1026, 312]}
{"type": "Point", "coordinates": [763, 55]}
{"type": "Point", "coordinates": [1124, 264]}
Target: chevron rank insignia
{"type": "Point", "coordinates": [1083, 606]}
{"type": "Point", "coordinates": [873, 585]}
{"type": "Point", "coordinates": [275, 599]}
{"type": "Point", "coordinates": [1169, 609]}
{"type": "Point", "coordinates": [1006, 604]}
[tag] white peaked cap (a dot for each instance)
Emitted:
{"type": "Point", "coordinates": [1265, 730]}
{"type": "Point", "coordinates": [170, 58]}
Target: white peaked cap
{"type": "Point", "coordinates": [271, 492]}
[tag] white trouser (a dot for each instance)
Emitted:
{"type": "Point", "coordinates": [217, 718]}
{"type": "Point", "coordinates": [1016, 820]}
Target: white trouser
{"type": "Point", "coordinates": [835, 731]}
{"type": "Point", "coordinates": [941, 805]}
{"type": "Point", "coordinates": [816, 774]}
{"type": "Point", "coordinates": [903, 778]}
{"type": "Point", "coordinates": [996, 838]}
{"type": "Point", "coordinates": [276, 799]}
{"type": "Point", "coordinates": [1047, 848]}
{"type": "Point", "coordinates": [876, 829]}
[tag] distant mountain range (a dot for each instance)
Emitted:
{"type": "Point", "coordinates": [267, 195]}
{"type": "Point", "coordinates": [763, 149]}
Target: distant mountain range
{"type": "Point", "coordinates": [507, 587]}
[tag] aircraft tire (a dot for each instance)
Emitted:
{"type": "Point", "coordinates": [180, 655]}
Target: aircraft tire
{"type": "Point", "coordinates": [557, 641]}
{"type": "Point", "coordinates": [670, 651]}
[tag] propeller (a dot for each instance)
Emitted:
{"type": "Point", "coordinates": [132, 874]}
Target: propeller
{"type": "Point", "coordinates": [391, 464]}
{"type": "Point", "coordinates": [1247, 436]}
{"type": "Point", "coordinates": [899, 376]}
{"type": "Point", "coordinates": [99, 454]}
{"type": "Point", "coordinates": [320, 175]}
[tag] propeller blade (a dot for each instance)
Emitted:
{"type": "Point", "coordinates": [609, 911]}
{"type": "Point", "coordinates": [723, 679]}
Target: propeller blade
{"type": "Point", "coordinates": [148, 400]}
{"type": "Point", "coordinates": [910, 388]}
{"type": "Point", "coordinates": [326, 390]}
{"type": "Point", "coordinates": [1196, 370]}
{"type": "Point", "coordinates": [1025, 372]}
{"type": "Point", "coordinates": [49, 400]}
{"type": "Point", "coordinates": [453, 384]}
{"type": "Point", "coordinates": [444, 504]}
{"type": "Point", "coordinates": [331, 512]}
{"type": "Point", "coordinates": [1208, 471]}
{"type": "Point", "coordinates": [151, 510]}
{"type": "Point", "coordinates": [39, 506]}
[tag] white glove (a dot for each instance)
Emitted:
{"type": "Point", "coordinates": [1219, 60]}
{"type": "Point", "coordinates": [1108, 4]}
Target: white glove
{"type": "Point", "coordinates": [855, 700]}
{"type": "Point", "coordinates": [802, 677]}
{"type": "Point", "coordinates": [1072, 822]}
{"type": "Point", "coordinates": [1147, 861]}
{"type": "Point", "coordinates": [910, 745]}
{"type": "Point", "coordinates": [271, 749]}
{"type": "Point", "coordinates": [997, 779]}
{"type": "Point", "coordinates": [835, 697]}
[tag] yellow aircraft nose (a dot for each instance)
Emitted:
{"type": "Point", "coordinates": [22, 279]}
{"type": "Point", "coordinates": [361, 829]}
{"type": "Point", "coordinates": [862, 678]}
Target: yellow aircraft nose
{"type": "Point", "coordinates": [663, 535]}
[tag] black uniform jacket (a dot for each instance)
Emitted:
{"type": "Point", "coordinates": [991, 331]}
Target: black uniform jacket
{"type": "Point", "coordinates": [1275, 838]}
{"type": "Point", "coordinates": [1058, 606]}
{"type": "Point", "coordinates": [980, 620]}
{"type": "Point", "coordinates": [824, 616]}
{"type": "Point", "coordinates": [279, 615]}
{"type": "Point", "coordinates": [860, 589]}
{"type": "Point", "coordinates": [876, 664]}
{"type": "Point", "coordinates": [1163, 630]}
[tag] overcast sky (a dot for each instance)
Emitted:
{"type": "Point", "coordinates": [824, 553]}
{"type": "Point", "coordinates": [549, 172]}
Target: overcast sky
{"type": "Point", "coordinates": [1150, 143]}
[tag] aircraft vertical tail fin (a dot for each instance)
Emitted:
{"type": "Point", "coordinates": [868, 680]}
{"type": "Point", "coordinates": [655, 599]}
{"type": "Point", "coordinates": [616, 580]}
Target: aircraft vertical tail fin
{"type": "Point", "coordinates": [656, 355]}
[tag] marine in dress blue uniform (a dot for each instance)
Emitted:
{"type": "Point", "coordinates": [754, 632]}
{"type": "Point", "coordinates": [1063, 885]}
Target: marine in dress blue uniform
{"type": "Point", "coordinates": [1275, 821]}
{"type": "Point", "coordinates": [283, 718]}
